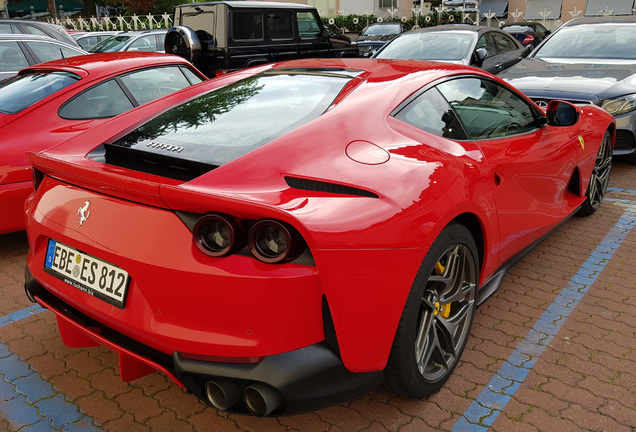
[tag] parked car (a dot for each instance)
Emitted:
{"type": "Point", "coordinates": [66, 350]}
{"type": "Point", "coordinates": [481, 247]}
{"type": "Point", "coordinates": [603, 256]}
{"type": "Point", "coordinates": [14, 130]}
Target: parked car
{"type": "Point", "coordinates": [225, 36]}
{"type": "Point", "coordinates": [88, 40]}
{"type": "Point", "coordinates": [527, 32]}
{"type": "Point", "coordinates": [590, 61]}
{"type": "Point", "coordinates": [143, 40]}
{"type": "Point", "coordinates": [274, 248]}
{"type": "Point", "coordinates": [50, 102]}
{"type": "Point", "coordinates": [376, 35]}
{"type": "Point", "coordinates": [18, 51]}
{"type": "Point", "coordinates": [485, 47]}
{"type": "Point", "coordinates": [26, 26]}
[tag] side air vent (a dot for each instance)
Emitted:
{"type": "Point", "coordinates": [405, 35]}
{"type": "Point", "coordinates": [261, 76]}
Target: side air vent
{"type": "Point", "coordinates": [151, 163]}
{"type": "Point", "coordinates": [334, 188]}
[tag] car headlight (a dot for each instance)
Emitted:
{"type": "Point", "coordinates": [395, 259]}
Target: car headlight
{"type": "Point", "coordinates": [620, 105]}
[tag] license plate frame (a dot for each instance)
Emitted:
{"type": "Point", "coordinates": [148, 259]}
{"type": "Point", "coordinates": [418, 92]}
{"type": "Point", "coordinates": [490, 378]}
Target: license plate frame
{"type": "Point", "coordinates": [90, 274]}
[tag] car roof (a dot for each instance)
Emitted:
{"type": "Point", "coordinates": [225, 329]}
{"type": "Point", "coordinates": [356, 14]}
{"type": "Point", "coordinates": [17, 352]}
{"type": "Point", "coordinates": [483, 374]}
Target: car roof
{"type": "Point", "coordinates": [93, 64]}
{"type": "Point", "coordinates": [22, 36]}
{"type": "Point", "coordinates": [627, 19]}
{"type": "Point", "coordinates": [455, 27]}
{"type": "Point", "coordinates": [141, 32]}
{"type": "Point", "coordinates": [251, 4]}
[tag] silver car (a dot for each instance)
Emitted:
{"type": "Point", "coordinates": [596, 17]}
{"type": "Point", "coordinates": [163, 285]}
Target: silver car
{"type": "Point", "coordinates": [587, 60]}
{"type": "Point", "coordinates": [144, 40]}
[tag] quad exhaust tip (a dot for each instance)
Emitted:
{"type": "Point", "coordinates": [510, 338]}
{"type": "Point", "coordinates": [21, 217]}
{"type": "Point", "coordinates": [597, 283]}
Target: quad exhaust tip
{"type": "Point", "coordinates": [261, 399]}
{"type": "Point", "coordinates": [223, 393]}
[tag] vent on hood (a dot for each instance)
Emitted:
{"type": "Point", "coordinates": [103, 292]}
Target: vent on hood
{"type": "Point", "coordinates": [151, 163]}
{"type": "Point", "coordinates": [334, 188]}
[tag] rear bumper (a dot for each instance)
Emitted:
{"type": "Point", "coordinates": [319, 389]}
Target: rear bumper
{"type": "Point", "coordinates": [298, 381]}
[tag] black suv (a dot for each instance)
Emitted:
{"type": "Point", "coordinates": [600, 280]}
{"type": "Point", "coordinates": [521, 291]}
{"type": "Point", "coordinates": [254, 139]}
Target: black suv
{"type": "Point", "coordinates": [219, 37]}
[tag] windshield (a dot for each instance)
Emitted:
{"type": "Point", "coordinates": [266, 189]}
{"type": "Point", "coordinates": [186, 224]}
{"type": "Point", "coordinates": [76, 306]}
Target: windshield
{"type": "Point", "coordinates": [613, 41]}
{"type": "Point", "coordinates": [112, 44]}
{"type": "Point", "coordinates": [226, 123]}
{"type": "Point", "coordinates": [22, 91]}
{"type": "Point", "coordinates": [446, 46]}
{"type": "Point", "coordinates": [380, 30]}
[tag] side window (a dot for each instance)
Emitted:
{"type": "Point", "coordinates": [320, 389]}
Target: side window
{"type": "Point", "coordinates": [247, 25]}
{"type": "Point", "coordinates": [6, 28]}
{"type": "Point", "coordinates": [432, 113]}
{"type": "Point", "coordinates": [308, 26]}
{"type": "Point", "coordinates": [88, 42]}
{"type": "Point", "coordinates": [34, 30]}
{"type": "Point", "coordinates": [540, 29]}
{"type": "Point", "coordinates": [192, 77]}
{"type": "Point", "coordinates": [486, 109]}
{"type": "Point", "coordinates": [11, 57]}
{"type": "Point", "coordinates": [160, 38]}
{"type": "Point", "coordinates": [485, 41]}
{"type": "Point", "coordinates": [106, 99]}
{"type": "Point", "coordinates": [503, 42]}
{"type": "Point", "coordinates": [279, 25]}
{"type": "Point", "coordinates": [46, 51]}
{"type": "Point", "coordinates": [150, 84]}
{"type": "Point", "coordinates": [144, 43]}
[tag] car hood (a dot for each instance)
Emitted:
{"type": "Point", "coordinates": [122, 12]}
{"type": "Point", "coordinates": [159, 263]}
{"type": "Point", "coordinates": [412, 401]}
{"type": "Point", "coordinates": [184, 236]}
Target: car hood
{"type": "Point", "coordinates": [374, 38]}
{"type": "Point", "coordinates": [591, 81]}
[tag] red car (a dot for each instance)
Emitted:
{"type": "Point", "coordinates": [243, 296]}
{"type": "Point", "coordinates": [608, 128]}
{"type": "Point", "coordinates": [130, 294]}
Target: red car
{"type": "Point", "coordinates": [286, 236]}
{"type": "Point", "coordinates": [50, 102]}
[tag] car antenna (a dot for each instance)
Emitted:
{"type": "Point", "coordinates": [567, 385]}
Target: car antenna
{"type": "Point", "coordinates": [62, 54]}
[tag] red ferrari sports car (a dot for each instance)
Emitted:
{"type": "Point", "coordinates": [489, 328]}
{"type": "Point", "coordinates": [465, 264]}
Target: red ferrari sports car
{"type": "Point", "coordinates": [287, 236]}
{"type": "Point", "coordinates": [50, 102]}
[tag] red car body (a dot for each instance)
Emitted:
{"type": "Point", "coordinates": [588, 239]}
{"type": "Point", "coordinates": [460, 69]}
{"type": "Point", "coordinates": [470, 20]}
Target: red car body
{"type": "Point", "coordinates": [39, 126]}
{"type": "Point", "coordinates": [368, 192]}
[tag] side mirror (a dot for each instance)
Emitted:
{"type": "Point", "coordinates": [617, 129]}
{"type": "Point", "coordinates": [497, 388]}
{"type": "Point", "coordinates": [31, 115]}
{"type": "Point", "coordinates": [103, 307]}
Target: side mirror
{"type": "Point", "coordinates": [560, 113]}
{"type": "Point", "coordinates": [480, 55]}
{"type": "Point", "coordinates": [525, 52]}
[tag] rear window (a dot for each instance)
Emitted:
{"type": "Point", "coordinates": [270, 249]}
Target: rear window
{"type": "Point", "coordinates": [607, 41]}
{"type": "Point", "coordinates": [112, 44]}
{"type": "Point", "coordinates": [224, 124]}
{"type": "Point", "coordinates": [518, 28]}
{"type": "Point", "coordinates": [22, 91]}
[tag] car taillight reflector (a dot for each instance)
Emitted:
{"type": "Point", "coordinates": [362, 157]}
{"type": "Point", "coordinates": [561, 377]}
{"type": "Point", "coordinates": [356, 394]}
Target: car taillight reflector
{"type": "Point", "coordinates": [528, 39]}
{"type": "Point", "coordinates": [273, 242]}
{"type": "Point", "coordinates": [217, 235]}
{"type": "Point", "coordinates": [38, 176]}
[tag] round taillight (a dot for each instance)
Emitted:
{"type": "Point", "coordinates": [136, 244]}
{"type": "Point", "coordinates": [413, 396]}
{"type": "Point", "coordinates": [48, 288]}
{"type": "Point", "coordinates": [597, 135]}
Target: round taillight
{"type": "Point", "coordinates": [216, 235]}
{"type": "Point", "coordinates": [272, 242]}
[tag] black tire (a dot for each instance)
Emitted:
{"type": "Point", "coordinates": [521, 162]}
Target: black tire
{"type": "Point", "coordinates": [600, 178]}
{"type": "Point", "coordinates": [431, 338]}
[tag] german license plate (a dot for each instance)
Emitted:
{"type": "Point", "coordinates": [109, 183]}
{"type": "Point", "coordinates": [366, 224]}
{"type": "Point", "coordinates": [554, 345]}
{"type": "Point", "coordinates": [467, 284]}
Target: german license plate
{"type": "Point", "coordinates": [85, 272]}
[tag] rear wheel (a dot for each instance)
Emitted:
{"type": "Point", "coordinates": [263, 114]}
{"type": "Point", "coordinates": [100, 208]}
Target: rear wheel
{"type": "Point", "coordinates": [437, 317]}
{"type": "Point", "coordinates": [600, 177]}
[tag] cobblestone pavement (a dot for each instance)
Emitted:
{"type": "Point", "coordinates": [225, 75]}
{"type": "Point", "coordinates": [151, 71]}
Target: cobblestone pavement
{"type": "Point", "coordinates": [553, 350]}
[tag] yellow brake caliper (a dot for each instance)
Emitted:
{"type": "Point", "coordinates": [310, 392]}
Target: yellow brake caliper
{"type": "Point", "coordinates": [443, 310]}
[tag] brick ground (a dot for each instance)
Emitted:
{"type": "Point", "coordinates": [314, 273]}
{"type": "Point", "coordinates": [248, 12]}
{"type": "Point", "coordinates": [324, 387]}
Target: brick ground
{"type": "Point", "coordinates": [584, 381]}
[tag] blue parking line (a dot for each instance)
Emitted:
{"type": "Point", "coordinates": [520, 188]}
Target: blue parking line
{"type": "Point", "coordinates": [21, 314]}
{"type": "Point", "coordinates": [27, 401]}
{"type": "Point", "coordinates": [615, 189]}
{"type": "Point", "coordinates": [487, 406]}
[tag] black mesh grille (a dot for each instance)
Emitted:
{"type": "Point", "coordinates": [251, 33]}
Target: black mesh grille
{"type": "Point", "coordinates": [334, 188]}
{"type": "Point", "coordinates": [151, 163]}
{"type": "Point", "coordinates": [328, 328]}
{"type": "Point", "coordinates": [624, 140]}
